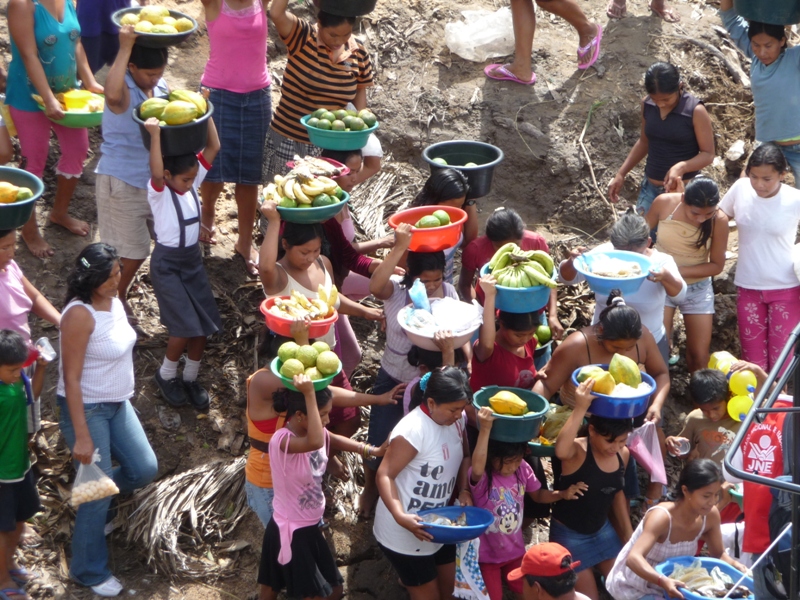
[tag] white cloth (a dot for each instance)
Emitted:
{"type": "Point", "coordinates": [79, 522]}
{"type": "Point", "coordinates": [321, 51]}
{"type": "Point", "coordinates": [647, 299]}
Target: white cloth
{"type": "Point", "coordinates": [395, 356]}
{"type": "Point", "coordinates": [107, 374]}
{"type": "Point", "coordinates": [767, 231]}
{"type": "Point", "coordinates": [469, 579]}
{"type": "Point", "coordinates": [427, 481]}
{"type": "Point", "coordinates": [648, 300]}
{"type": "Point", "coordinates": [165, 218]}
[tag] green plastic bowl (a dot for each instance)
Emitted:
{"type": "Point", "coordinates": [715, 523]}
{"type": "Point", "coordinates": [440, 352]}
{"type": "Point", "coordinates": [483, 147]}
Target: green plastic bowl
{"type": "Point", "coordinates": [327, 139]}
{"type": "Point", "coordinates": [509, 428]}
{"type": "Point", "coordinates": [313, 214]}
{"type": "Point", "coordinates": [157, 40]}
{"type": "Point", "coordinates": [80, 119]}
{"type": "Point", "coordinates": [16, 214]}
{"type": "Point", "coordinates": [542, 450]}
{"type": "Point", "coordinates": [319, 384]}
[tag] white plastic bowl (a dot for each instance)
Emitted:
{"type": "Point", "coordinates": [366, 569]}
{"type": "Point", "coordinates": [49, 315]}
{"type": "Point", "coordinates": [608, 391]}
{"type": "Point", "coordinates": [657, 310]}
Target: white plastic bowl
{"type": "Point", "coordinates": [427, 343]}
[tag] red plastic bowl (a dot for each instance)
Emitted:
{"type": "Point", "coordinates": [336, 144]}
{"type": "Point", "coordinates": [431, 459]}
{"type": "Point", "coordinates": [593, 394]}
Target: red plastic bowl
{"type": "Point", "coordinates": [345, 169]}
{"type": "Point", "coordinates": [283, 327]}
{"type": "Point", "coordinates": [431, 239]}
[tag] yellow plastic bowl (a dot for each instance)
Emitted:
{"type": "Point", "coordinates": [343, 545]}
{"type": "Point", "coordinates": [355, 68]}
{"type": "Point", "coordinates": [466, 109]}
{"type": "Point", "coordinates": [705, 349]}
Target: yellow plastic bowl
{"type": "Point", "coordinates": [77, 99]}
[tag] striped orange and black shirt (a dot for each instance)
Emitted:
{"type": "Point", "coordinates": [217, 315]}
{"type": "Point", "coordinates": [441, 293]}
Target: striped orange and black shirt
{"type": "Point", "coordinates": [312, 80]}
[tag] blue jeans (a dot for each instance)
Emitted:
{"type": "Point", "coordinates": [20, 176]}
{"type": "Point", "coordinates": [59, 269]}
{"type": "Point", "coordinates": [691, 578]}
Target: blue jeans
{"type": "Point", "coordinates": [117, 433]}
{"type": "Point", "coordinates": [792, 154]}
{"type": "Point", "coordinates": [382, 419]}
{"type": "Point", "coordinates": [259, 499]}
{"type": "Point", "coordinates": [647, 193]}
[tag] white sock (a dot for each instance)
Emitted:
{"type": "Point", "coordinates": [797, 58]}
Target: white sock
{"type": "Point", "coordinates": [169, 369]}
{"type": "Point", "coordinates": [190, 369]}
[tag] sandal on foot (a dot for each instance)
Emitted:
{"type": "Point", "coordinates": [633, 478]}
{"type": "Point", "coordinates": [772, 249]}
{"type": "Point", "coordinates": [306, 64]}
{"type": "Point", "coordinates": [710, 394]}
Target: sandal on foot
{"type": "Point", "coordinates": [673, 359]}
{"type": "Point", "coordinates": [207, 235]}
{"type": "Point", "coordinates": [591, 51]}
{"type": "Point", "coordinates": [615, 11]}
{"type": "Point", "coordinates": [666, 13]}
{"type": "Point", "coordinates": [501, 73]}
{"type": "Point", "coordinates": [249, 264]}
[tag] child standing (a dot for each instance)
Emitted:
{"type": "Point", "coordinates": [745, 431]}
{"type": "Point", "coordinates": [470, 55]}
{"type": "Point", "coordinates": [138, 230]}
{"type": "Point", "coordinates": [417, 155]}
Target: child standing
{"type": "Point", "coordinates": [19, 500]}
{"type": "Point", "coordinates": [767, 213]}
{"type": "Point", "coordinates": [499, 480]}
{"type": "Point", "coordinates": [185, 301]}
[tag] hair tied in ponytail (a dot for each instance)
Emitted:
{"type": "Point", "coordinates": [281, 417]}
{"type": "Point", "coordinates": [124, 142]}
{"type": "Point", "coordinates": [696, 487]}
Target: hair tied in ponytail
{"type": "Point", "coordinates": [618, 301]}
{"type": "Point", "coordinates": [423, 382]}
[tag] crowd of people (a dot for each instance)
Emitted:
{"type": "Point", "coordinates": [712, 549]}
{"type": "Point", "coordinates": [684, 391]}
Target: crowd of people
{"type": "Point", "coordinates": [427, 446]}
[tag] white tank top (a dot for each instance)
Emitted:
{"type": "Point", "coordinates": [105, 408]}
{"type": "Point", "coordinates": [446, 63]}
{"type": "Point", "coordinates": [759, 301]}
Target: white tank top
{"type": "Point", "coordinates": [107, 374]}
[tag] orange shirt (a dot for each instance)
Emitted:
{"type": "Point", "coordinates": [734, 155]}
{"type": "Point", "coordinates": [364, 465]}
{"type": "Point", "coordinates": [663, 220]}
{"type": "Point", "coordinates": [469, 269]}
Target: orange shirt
{"type": "Point", "coordinates": [256, 469]}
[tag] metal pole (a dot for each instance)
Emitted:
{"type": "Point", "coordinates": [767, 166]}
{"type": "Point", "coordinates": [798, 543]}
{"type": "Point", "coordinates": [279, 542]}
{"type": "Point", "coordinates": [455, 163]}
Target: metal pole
{"type": "Point", "coordinates": [793, 453]}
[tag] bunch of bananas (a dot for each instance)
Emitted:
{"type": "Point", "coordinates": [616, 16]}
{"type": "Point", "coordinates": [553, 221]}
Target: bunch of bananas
{"type": "Point", "coordinates": [515, 268]}
{"type": "Point", "coordinates": [299, 189]}
{"type": "Point", "coordinates": [299, 307]}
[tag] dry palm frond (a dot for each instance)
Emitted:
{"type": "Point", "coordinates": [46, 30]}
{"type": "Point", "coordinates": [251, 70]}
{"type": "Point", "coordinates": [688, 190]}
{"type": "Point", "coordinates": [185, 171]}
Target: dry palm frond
{"type": "Point", "coordinates": [182, 519]}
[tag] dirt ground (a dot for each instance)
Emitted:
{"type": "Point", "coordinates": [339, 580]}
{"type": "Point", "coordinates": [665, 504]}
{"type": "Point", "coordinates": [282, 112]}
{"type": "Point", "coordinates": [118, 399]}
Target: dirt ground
{"type": "Point", "coordinates": [423, 95]}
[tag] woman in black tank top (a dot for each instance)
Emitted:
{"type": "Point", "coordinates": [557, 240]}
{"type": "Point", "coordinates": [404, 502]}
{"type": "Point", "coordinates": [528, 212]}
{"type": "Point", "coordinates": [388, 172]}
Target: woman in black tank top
{"type": "Point", "coordinates": [599, 460]}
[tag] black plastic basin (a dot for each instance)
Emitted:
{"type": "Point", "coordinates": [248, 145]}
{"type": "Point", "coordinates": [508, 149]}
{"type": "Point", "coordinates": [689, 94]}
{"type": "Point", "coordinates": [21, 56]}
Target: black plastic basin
{"type": "Point", "coordinates": [775, 12]}
{"type": "Point", "coordinates": [347, 8]}
{"type": "Point", "coordinates": [190, 138]}
{"type": "Point", "coordinates": [457, 153]}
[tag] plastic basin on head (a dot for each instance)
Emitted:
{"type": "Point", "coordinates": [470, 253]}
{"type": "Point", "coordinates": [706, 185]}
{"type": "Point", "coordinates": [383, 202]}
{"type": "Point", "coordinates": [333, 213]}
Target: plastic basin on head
{"type": "Point", "coordinates": [431, 239]}
{"type": "Point", "coordinates": [457, 153]}
{"type": "Point", "coordinates": [604, 285]}
{"type": "Point", "coordinates": [157, 40]}
{"type": "Point", "coordinates": [427, 343]}
{"type": "Point", "coordinates": [313, 214]}
{"type": "Point", "coordinates": [328, 139]}
{"type": "Point", "coordinates": [520, 300]}
{"type": "Point", "coordinates": [775, 12]}
{"type": "Point", "coordinates": [283, 327]}
{"type": "Point", "coordinates": [541, 450]}
{"type": "Point", "coordinates": [16, 214]}
{"type": "Point", "coordinates": [347, 8]}
{"type": "Point", "coordinates": [510, 428]}
{"type": "Point", "coordinates": [319, 384]}
{"type": "Point", "coordinates": [478, 521]}
{"type": "Point", "coordinates": [189, 138]}
{"type": "Point", "coordinates": [668, 566]}
{"type": "Point", "coordinates": [612, 407]}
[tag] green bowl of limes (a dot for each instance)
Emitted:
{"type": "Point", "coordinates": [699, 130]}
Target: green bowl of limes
{"type": "Point", "coordinates": [332, 139]}
{"type": "Point", "coordinates": [305, 214]}
{"type": "Point", "coordinates": [319, 384]}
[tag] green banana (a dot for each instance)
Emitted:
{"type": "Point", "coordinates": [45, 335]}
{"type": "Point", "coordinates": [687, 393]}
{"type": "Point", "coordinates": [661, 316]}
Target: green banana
{"type": "Point", "coordinates": [544, 259]}
{"type": "Point", "coordinates": [538, 266]}
{"type": "Point", "coordinates": [501, 263]}
{"type": "Point", "coordinates": [537, 278]}
{"type": "Point", "coordinates": [502, 251]}
{"type": "Point", "coordinates": [524, 280]}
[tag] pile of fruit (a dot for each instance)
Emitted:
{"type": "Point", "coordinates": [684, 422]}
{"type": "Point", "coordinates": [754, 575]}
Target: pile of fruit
{"type": "Point", "coordinates": [516, 268]}
{"type": "Point", "coordinates": [622, 380]}
{"type": "Point", "coordinates": [443, 162]}
{"type": "Point", "coordinates": [439, 218]}
{"type": "Point", "coordinates": [342, 120]}
{"type": "Point", "coordinates": [508, 403]}
{"type": "Point", "coordinates": [316, 361]}
{"type": "Point", "coordinates": [300, 307]}
{"type": "Point", "coordinates": [181, 107]}
{"type": "Point", "coordinates": [9, 193]}
{"type": "Point", "coordinates": [543, 335]}
{"type": "Point", "coordinates": [156, 19]}
{"type": "Point", "coordinates": [94, 104]}
{"type": "Point", "coordinates": [93, 490]}
{"type": "Point", "coordinates": [300, 188]}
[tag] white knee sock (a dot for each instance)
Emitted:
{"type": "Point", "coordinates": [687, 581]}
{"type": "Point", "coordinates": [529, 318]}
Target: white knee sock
{"type": "Point", "coordinates": [190, 369]}
{"type": "Point", "coordinates": [169, 369]}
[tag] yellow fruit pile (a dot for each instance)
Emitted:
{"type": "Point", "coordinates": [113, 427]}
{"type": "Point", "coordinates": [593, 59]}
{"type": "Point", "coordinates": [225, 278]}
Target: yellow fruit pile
{"type": "Point", "coordinates": [316, 360]}
{"type": "Point", "coordinates": [622, 371]}
{"type": "Point", "coordinates": [300, 307]}
{"type": "Point", "coordinates": [156, 19]}
{"type": "Point", "coordinates": [93, 104]}
{"type": "Point", "coordinates": [182, 106]}
{"type": "Point", "coordinates": [508, 403]}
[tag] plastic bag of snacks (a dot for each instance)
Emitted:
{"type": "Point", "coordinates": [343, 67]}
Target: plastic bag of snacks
{"type": "Point", "coordinates": [91, 483]}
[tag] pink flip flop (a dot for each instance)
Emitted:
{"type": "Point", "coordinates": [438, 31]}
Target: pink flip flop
{"type": "Point", "coordinates": [489, 71]}
{"type": "Point", "coordinates": [593, 47]}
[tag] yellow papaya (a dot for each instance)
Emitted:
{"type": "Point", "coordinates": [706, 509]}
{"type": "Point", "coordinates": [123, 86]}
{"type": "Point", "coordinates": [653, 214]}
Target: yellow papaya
{"type": "Point", "coordinates": [590, 371]}
{"type": "Point", "coordinates": [193, 97]}
{"type": "Point", "coordinates": [604, 383]}
{"type": "Point", "coordinates": [152, 107]}
{"type": "Point", "coordinates": [625, 370]}
{"type": "Point", "coordinates": [179, 112]}
{"type": "Point", "coordinates": [508, 403]}
{"type": "Point", "coordinates": [152, 14]}
{"type": "Point", "coordinates": [8, 192]}
{"type": "Point", "coordinates": [183, 24]}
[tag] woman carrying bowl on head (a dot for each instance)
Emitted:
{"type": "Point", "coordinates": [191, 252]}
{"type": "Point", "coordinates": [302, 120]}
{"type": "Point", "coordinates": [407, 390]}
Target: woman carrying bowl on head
{"type": "Point", "coordinates": [632, 233]}
{"type": "Point", "coordinates": [327, 67]}
{"type": "Point", "coordinates": [46, 59]}
{"type": "Point", "coordinates": [619, 330]}
{"type": "Point", "coordinates": [237, 35]}
{"type": "Point", "coordinates": [694, 231]}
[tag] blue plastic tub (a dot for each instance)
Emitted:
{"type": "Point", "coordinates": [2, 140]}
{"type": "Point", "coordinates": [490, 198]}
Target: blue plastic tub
{"type": "Point", "coordinates": [478, 521]}
{"type": "Point", "coordinates": [618, 408]}
{"type": "Point", "coordinates": [313, 214]}
{"type": "Point", "coordinates": [328, 139]}
{"type": "Point", "coordinates": [520, 300]}
{"type": "Point", "coordinates": [510, 428]}
{"type": "Point", "coordinates": [16, 214]}
{"type": "Point", "coordinates": [775, 12]}
{"type": "Point", "coordinates": [604, 285]}
{"type": "Point", "coordinates": [669, 565]}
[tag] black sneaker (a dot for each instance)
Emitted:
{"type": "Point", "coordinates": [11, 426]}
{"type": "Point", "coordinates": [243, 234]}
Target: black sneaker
{"type": "Point", "coordinates": [172, 390]}
{"type": "Point", "coordinates": [198, 396]}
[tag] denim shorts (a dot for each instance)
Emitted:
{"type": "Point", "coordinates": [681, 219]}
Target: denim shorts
{"type": "Point", "coordinates": [382, 419]}
{"type": "Point", "coordinates": [260, 500]}
{"type": "Point", "coordinates": [699, 299]}
{"type": "Point", "coordinates": [647, 194]}
{"type": "Point", "coordinates": [590, 549]}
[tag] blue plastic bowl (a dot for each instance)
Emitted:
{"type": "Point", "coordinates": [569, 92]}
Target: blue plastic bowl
{"type": "Point", "coordinates": [604, 285]}
{"type": "Point", "coordinates": [618, 408]}
{"type": "Point", "coordinates": [520, 300]}
{"type": "Point", "coordinates": [669, 565]}
{"type": "Point", "coordinates": [16, 214]}
{"type": "Point", "coordinates": [328, 139]}
{"type": "Point", "coordinates": [510, 428]}
{"type": "Point", "coordinates": [313, 214]}
{"type": "Point", "coordinates": [478, 521]}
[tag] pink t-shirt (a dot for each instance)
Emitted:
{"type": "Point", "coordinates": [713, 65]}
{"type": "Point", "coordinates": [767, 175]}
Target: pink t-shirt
{"type": "Point", "coordinates": [503, 541]}
{"type": "Point", "coordinates": [14, 302]}
{"type": "Point", "coordinates": [297, 483]}
{"type": "Point", "coordinates": [237, 37]}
